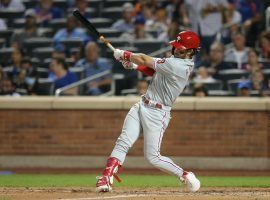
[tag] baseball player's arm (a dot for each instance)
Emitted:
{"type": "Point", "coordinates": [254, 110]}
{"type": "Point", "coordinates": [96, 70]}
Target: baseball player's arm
{"type": "Point", "coordinates": [137, 58]}
{"type": "Point", "coordinates": [145, 70]}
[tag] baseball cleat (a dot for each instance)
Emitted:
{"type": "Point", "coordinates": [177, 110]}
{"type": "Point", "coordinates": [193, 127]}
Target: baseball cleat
{"type": "Point", "coordinates": [193, 184]}
{"type": "Point", "coordinates": [105, 182]}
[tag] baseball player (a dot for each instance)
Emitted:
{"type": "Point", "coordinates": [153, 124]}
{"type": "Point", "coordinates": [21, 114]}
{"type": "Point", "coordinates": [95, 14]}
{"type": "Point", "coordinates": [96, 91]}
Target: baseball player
{"type": "Point", "coordinates": [152, 114]}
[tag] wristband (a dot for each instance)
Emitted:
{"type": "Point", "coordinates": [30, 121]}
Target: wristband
{"type": "Point", "coordinates": [134, 66]}
{"type": "Point", "coordinates": [127, 55]}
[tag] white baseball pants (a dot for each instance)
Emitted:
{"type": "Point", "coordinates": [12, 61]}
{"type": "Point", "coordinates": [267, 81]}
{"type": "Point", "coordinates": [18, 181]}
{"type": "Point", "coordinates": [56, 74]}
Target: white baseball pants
{"type": "Point", "coordinates": [152, 122]}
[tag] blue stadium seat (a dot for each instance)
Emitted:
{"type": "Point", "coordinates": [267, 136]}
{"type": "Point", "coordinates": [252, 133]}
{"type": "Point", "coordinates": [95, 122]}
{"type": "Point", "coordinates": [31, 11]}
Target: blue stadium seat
{"type": "Point", "coordinates": [148, 46]}
{"type": "Point", "coordinates": [230, 74]}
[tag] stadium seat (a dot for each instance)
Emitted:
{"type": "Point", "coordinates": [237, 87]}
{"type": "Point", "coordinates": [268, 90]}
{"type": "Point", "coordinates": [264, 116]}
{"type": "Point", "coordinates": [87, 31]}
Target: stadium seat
{"type": "Point", "coordinates": [57, 24]}
{"type": "Point", "coordinates": [6, 34]}
{"type": "Point", "coordinates": [216, 85]}
{"type": "Point", "coordinates": [79, 71]}
{"type": "Point", "coordinates": [89, 11]}
{"type": "Point", "coordinates": [152, 32]}
{"type": "Point", "coordinates": [29, 3]}
{"type": "Point", "coordinates": [43, 52]}
{"type": "Point", "coordinates": [45, 86]}
{"type": "Point", "coordinates": [2, 42]}
{"type": "Point", "coordinates": [70, 62]}
{"type": "Point", "coordinates": [219, 93]}
{"type": "Point", "coordinates": [5, 55]}
{"type": "Point", "coordinates": [46, 32]}
{"type": "Point", "coordinates": [231, 65]}
{"type": "Point", "coordinates": [230, 74]}
{"type": "Point", "coordinates": [10, 15]}
{"type": "Point", "coordinates": [233, 85]}
{"type": "Point", "coordinates": [72, 42]}
{"type": "Point", "coordinates": [42, 72]}
{"type": "Point", "coordinates": [266, 73]}
{"type": "Point", "coordinates": [146, 46]}
{"type": "Point", "coordinates": [265, 64]}
{"type": "Point", "coordinates": [114, 13]}
{"type": "Point", "coordinates": [115, 3]}
{"type": "Point", "coordinates": [30, 44]}
{"type": "Point", "coordinates": [109, 33]}
{"type": "Point", "coordinates": [96, 4]}
{"type": "Point", "coordinates": [46, 63]}
{"type": "Point", "coordinates": [60, 4]}
{"type": "Point", "coordinates": [101, 22]}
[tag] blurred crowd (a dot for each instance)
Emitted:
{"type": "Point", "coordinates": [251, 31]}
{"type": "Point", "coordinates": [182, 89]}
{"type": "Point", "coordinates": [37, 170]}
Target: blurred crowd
{"type": "Point", "coordinates": [44, 48]}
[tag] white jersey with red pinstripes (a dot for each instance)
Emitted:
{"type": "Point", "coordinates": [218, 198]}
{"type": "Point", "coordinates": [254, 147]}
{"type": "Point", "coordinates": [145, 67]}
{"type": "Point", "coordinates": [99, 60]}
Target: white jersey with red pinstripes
{"type": "Point", "coordinates": [170, 79]}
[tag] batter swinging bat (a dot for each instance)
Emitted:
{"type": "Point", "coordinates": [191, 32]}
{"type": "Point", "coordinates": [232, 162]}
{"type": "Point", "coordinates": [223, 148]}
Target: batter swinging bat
{"type": "Point", "coordinates": [91, 28]}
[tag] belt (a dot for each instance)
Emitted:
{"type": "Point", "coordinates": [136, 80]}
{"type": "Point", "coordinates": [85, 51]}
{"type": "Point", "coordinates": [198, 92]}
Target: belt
{"type": "Point", "coordinates": [151, 103]}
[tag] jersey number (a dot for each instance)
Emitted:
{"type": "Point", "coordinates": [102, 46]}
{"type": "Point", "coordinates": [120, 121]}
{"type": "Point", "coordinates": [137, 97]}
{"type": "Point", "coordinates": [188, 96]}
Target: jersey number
{"type": "Point", "coordinates": [161, 61]}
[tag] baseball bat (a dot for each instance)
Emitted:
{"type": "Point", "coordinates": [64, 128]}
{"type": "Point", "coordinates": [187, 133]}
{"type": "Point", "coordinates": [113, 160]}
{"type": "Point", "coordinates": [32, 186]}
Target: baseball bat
{"type": "Point", "coordinates": [91, 28]}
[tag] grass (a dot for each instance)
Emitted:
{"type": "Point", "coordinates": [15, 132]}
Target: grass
{"type": "Point", "coordinates": [83, 180]}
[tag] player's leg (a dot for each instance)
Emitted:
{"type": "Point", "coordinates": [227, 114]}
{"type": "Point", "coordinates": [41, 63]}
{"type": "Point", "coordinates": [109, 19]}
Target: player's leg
{"type": "Point", "coordinates": [154, 123]}
{"type": "Point", "coordinates": [130, 133]}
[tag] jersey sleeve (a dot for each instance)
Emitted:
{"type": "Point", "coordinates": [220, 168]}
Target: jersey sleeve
{"type": "Point", "coordinates": [146, 70]}
{"type": "Point", "coordinates": [169, 67]}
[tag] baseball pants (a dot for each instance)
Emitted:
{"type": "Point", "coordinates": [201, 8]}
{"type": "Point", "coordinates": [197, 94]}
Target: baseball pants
{"type": "Point", "coordinates": [152, 122]}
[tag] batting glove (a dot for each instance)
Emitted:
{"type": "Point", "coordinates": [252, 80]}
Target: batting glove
{"type": "Point", "coordinates": [128, 65]}
{"type": "Point", "coordinates": [122, 55]}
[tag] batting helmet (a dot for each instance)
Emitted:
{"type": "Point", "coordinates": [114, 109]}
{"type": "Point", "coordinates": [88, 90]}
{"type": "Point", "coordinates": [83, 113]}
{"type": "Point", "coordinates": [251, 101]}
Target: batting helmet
{"type": "Point", "coordinates": [186, 40]}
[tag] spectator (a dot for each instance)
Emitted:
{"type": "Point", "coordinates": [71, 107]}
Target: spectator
{"type": "Point", "coordinates": [3, 25]}
{"type": "Point", "coordinates": [180, 14]}
{"type": "Point", "coordinates": [11, 5]}
{"type": "Point", "coordinates": [7, 88]}
{"type": "Point", "coordinates": [161, 24]}
{"type": "Point", "coordinates": [206, 18]}
{"type": "Point", "coordinates": [92, 65]}
{"type": "Point", "coordinates": [142, 86]}
{"type": "Point", "coordinates": [203, 76]}
{"type": "Point", "coordinates": [253, 63]}
{"type": "Point", "coordinates": [238, 52]}
{"type": "Point", "coordinates": [63, 76]}
{"type": "Point", "coordinates": [14, 70]}
{"type": "Point", "coordinates": [250, 11]}
{"type": "Point", "coordinates": [46, 12]}
{"type": "Point", "coordinates": [125, 24]}
{"type": "Point", "coordinates": [82, 5]}
{"type": "Point", "coordinates": [244, 89]}
{"type": "Point", "coordinates": [30, 73]}
{"type": "Point", "coordinates": [139, 31]}
{"type": "Point", "coordinates": [70, 32]}
{"type": "Point", "coordinates": [232, 20]}
{"type": "Point", "coordinates": [215, 61]}
{"type": "Point", "coordinates": [257, 81]}
{"type": "Point", "coordinates": [2, 74]}
{"type": "Point", "coordinates": [30, 30]}
{"type": "Point", "coordinates": [264, 41]}
{"type": "Point", "coordinates": [200, 91]}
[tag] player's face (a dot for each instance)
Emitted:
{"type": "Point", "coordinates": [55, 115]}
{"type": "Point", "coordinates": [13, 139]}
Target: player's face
{"type": "Point", "coordinates": [180, 53]}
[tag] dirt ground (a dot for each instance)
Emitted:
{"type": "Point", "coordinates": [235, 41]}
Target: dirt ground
{"type": "Point", "coordinates": [134, 194]}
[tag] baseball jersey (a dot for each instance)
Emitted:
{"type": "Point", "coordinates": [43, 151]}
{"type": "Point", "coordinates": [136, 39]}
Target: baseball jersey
{"type": "Point", "coordinates": [169, 80]}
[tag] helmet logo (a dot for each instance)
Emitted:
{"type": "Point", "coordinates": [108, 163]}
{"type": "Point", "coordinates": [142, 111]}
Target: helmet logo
{"type": "Point", "coordinates": [178, 38]}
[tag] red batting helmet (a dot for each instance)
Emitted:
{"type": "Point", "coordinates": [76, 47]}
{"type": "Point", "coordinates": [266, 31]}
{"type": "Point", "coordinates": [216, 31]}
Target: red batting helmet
{"type": "Point", "coordinates": [186, 40]}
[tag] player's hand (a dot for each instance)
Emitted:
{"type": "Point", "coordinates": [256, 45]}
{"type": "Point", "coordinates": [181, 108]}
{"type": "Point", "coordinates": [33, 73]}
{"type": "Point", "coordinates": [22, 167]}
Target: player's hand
{"type": "Point", "coordinates": [118, 54]}
{"type": "Point", "coordinates": [122, 55]}
{"type": "Point", "coordinates": [127, 64]}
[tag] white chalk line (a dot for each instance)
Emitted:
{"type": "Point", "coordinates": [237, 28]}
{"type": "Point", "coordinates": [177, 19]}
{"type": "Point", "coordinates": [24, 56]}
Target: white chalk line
{"type": "Point", "coordinates": [113, 197]}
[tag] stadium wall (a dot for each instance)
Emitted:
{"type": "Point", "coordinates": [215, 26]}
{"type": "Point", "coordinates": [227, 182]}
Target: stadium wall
{"type": "Point", "coordinates": [80, 132]}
